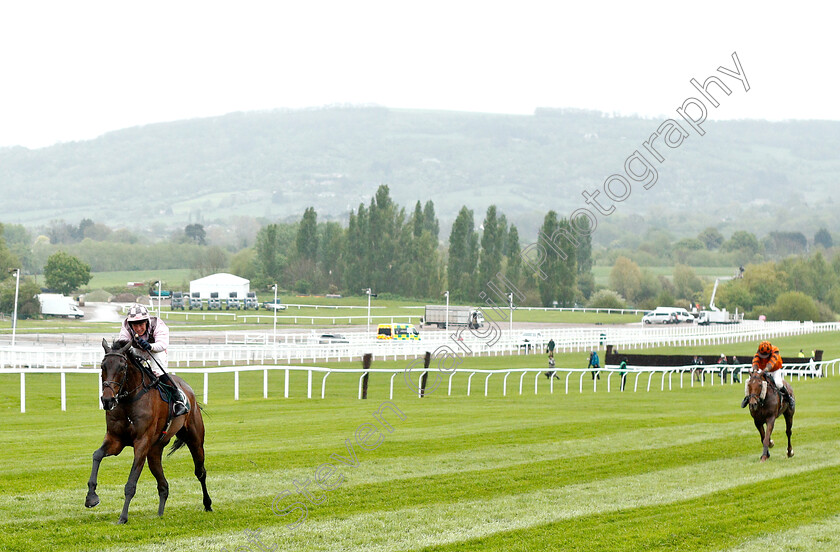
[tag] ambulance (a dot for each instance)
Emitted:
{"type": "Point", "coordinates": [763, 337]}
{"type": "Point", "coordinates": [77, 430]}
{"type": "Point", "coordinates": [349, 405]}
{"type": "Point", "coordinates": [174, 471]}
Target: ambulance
{"type": "Point", "coordinates": [398, 332]}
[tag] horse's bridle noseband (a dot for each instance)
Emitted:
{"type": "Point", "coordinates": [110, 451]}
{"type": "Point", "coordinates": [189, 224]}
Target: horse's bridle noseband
{"type": "Point", "coordinates": [122, 396]}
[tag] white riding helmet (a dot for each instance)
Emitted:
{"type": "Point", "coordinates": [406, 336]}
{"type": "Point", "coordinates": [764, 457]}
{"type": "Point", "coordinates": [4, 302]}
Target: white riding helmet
{"type": "Point", "coordinates": [137, 313]}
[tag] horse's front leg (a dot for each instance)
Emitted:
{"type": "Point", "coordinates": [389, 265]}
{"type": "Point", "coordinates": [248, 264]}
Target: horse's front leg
{"type": "Point", "coordinates": [789, 430]}
{"type": "Point", "coordinates": [768, 442]}
{"type": "Point", "coordinates": [141, 451]}
{"type": "Point", "coordinates": [156, 467]}
{"type": "Point", "coordinates": [110, 447]}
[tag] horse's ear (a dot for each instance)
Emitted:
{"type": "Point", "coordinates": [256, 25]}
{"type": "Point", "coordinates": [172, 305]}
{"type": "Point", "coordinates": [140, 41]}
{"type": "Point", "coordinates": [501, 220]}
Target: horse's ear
{"type": "Point", "coordinates": [125, 347]}
{"type": "Point", "coordinates": [105, 346]}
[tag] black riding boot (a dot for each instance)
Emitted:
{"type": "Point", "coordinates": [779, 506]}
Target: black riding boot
{"type": "Point", "coordinates": [787, 397]}
{"type": "Point", "coordinates": [745, 402]}
{"type": "Point", "coordinates": [179, 407]}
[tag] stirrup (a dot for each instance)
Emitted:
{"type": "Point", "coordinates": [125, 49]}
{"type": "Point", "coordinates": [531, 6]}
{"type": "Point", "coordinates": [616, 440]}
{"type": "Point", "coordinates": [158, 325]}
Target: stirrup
{"type": "Point", "coordinates": [180, 406]}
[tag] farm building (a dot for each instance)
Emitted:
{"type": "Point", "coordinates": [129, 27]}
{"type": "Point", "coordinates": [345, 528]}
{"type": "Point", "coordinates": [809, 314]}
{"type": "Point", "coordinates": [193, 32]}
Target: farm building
{"type": "Point", "coordinates": [221, 283]}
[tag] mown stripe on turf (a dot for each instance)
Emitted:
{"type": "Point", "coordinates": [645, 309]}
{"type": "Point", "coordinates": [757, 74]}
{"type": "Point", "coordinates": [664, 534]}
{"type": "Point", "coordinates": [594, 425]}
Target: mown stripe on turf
{"type": "Point", "coordinates": [409, 528]}
{"type": "Point", "coordinates": [723, 518]}
{"type": "Point", "coordinates": [822, 536]}
{"type": "Point", "coordinates": [483, 472]}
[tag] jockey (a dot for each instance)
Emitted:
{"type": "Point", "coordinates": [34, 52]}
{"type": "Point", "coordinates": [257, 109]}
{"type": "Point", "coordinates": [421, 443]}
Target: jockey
{"type": "Point", "coordinates": [767, 358]}
{"type": "Point", "coordinates": [151, 335]}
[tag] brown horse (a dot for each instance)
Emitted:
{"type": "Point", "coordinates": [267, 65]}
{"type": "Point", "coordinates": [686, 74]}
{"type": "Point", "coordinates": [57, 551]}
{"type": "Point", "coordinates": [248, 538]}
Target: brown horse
{"type": "Point", "coordinates": [766, 407]}
{"type": "Point", "coordinates": [136, 416]}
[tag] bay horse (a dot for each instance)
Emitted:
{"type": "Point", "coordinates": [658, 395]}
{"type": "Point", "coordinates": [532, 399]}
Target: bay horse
{"type": "Point", "coordinates": [136, 416]}
{"type": "Point", "coordinates": [766, 407]}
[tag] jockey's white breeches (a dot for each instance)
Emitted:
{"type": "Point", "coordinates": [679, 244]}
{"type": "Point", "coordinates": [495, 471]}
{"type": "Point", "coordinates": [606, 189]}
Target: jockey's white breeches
{"type": "Point", "coordinates": [777, 379]}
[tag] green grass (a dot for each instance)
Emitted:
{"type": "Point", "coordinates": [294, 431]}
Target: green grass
{"type": "Point", "coordinates": [672, 470]}
{"type": "Point", "coordinates": [602, 273]}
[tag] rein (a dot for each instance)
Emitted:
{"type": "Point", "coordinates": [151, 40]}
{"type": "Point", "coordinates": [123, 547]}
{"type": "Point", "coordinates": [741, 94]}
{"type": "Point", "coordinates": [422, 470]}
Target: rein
{"type": "Point", "coordinates": [124, 397]}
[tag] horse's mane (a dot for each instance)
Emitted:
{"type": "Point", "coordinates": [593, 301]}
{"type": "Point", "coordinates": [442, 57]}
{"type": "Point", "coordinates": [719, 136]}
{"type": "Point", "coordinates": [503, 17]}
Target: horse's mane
{"type": "Point", "coordinates": [119, 343]}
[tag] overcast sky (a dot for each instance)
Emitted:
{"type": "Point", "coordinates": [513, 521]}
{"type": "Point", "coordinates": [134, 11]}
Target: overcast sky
{"type": "Point", "coordinates": [75, 70]}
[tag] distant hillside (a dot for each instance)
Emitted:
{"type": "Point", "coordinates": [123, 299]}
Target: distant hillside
{"type": "Point", "coordinates": [274, 164]}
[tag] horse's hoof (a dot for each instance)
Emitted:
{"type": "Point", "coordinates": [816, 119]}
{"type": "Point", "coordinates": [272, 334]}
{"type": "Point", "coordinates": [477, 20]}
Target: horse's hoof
{"type": "Point", "coordinates": [790, 454]}
{"type": "Point", "coordinates": [763, 458]}
{"type": "Point", "coordinates": [91, 501]}
{"type": "Point", "coordinates": [122, 521]}
{"type": "Point", "coordinates": [771, 443]}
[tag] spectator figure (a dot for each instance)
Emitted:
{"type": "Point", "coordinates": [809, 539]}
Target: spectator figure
{"type": "Point", "coordinates": [701, 371]}
{"type": "Point", "coordinates": [551, 371]}
{"type": "Point", "coordinates": [736, 372]}
{"type": "Point", "coordinates": [595, 363]}
{"type": "Point", "coordinates": [801, 353]}
{"type": "Point", "coordinates": [722, 363]}
{"type": "Point", "coordinates": [695, 369]}
{"type": "Point", "coordinates": [622, 372]}
{"type": "Point", "coordinates": [551, 347]}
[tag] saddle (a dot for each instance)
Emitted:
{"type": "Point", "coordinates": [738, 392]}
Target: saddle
{"type": "Point", "coordinates": [783, 396]}
{"type": "Point", "coordinates": [168, 393]}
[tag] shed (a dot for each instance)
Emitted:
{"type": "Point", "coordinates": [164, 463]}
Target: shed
{"type": "Point", "coordinates": [221, 283]}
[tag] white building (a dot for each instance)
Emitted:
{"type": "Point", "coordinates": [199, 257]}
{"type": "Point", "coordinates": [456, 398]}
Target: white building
{"type": "Point", "coordinates": [221, 283]}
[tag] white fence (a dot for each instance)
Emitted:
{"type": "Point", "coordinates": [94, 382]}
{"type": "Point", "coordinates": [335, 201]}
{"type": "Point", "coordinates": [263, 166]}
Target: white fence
{"type": "Point", "coordinates": [634, 374]}
{"type": "Point", "coordinates": [491, 340]}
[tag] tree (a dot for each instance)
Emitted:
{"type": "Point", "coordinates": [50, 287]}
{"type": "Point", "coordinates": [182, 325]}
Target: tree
{"type": "Point", "coordinates": [793, 305]}
{"type": "Point", "coordinates": [626, 278]}
{"type": "Point", "coordinates": [269, 258]}
{"type": "Point", "coordinates": [331, 242]}
{"type": "Point", "coordinates": [686, 282]}
{"type": "Point", "coordinates": [196, 233]}
{"type": "Point", "coordinates": [560, 283]}
{"type": "Point", "coordinates": [28, 304]}
{"type": "Point", "coordinates": [512, 252]}
{"type": "Point", "coordinates": [430, 221]}
{"type": "Point", "coordinates": [306, 241]}
{"type": "Point", "coordinates": [212, 261]}
{"type": "Point", "coordinates": [463, 257]}
{"type": "Point", "coordinates": [741, 239]}
{"type": "Point", "coordinates": [607, 299]}
{"type": "Point", "coordinates": [823, 238]}
{"type": "Point", "coordinates": [417, 220]}
{"type": "Point", "coordinates": [711, 238]}
{"type": "Point", "coordinates": [386, 220]}
{"type": "Point", "coordinates": [490, 262]}
{"type": "Point", "coordinates": [65, 273]}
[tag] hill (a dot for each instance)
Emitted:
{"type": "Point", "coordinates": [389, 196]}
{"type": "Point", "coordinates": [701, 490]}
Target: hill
{"type": "Point", "coordinates": [746, 174]}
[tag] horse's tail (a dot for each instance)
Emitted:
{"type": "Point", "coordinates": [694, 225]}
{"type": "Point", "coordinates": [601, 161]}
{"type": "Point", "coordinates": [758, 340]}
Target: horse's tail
{"type": "Point", "coordinates": [175, 446]}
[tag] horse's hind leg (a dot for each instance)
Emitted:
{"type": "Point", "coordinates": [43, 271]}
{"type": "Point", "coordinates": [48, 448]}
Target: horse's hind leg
{"type": "Point", "coordinates": [194, 437]}
{"type": "Point", "coordinates": [789, 430]}
{"type": "Point", "coordinates": [156, 467]}
{"type": "Point", "coordinates": [110, 447]}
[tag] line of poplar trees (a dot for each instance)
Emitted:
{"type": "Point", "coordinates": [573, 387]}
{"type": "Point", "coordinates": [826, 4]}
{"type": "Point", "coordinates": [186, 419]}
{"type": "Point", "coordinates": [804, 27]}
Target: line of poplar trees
{"type": "Point", "coordinates": [392, 251]}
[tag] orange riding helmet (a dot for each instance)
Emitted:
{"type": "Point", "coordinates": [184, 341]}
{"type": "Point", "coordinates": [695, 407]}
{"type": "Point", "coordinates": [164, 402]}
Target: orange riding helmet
{"type": "Point", "coordinates": [765, 349]}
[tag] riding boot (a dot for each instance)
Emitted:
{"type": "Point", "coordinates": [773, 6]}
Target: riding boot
{"type": "Point", "coordinates": [179, 407]}
{"type": "Point", "coordinates": [745, 402]}
{"type": "Point", "coordinates": [787, 397]}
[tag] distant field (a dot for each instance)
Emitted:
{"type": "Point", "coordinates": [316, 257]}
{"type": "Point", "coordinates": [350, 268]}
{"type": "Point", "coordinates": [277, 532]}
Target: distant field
{"type": "Point", "coordinates": [602, 273]}
{"type": "Point", "coordinates": [171, 279]}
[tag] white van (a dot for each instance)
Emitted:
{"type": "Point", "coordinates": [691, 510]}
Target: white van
{"type": "Point", "coordinates": [667, 315]}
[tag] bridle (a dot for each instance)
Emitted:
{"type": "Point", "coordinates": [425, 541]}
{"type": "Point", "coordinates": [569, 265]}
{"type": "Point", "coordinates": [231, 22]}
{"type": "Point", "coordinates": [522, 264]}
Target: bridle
{"type": "Point", "coordinates": [760, 396]}
{"type": "Point", "coordinates": [121, 396]}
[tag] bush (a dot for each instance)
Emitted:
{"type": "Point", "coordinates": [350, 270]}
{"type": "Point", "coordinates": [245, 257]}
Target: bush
{"type": "Point", "coordinates": [607, 299]}
{"type": "Point", "coordinates": [303, 286]}
{"type": "Point", "coordinates": [793, 305]}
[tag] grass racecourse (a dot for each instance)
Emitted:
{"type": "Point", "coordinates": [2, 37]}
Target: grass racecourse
{"type": "Point", "coordinates": [661, 470]}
